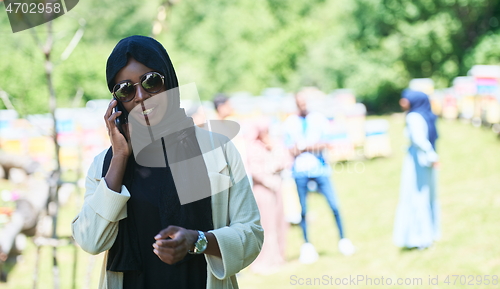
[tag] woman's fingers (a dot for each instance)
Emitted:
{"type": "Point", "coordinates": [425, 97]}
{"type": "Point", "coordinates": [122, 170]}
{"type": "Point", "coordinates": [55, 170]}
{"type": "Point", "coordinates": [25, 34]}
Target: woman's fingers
{"type": "Point", "coordinates": [107, 115]}
{"type": "Point", "coordinates": [170, 231]}
{"type": "Point", "coordinates": [171, 244]}
{"type": "Point", "coordinates": [165, 254]}
{"type": "Point", "coordinates": [111, 120]}
{"type": "Point", "coordinates": [118, 141]}
{"type": "Point", "coordinates": [169, 255]}
{"type": "Point", "coordinates": [109, 110]}
{"type": "Point", "coordinates": [163, 250]}
{"type": "Point", "coordinates": [110, 116]}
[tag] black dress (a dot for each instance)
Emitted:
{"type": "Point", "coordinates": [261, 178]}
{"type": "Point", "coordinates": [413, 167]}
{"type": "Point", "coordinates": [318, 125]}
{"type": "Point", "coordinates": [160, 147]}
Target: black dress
{"type": "Point", "coordinates": [191, 272]}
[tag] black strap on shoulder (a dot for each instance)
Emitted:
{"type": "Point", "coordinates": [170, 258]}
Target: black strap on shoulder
{"type": "Point", "coordinates": [107, 162]}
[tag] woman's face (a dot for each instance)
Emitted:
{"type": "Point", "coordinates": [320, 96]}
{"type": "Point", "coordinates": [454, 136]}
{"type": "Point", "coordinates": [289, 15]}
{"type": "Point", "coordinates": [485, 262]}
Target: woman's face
{"type": "Point", "coordinates": [145, 107]}
{"type": "Point", "coordinates": [405, 104]}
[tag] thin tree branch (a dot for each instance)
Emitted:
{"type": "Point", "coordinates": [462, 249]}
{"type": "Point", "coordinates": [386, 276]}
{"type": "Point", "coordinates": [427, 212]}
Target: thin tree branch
{"type": "Point", "coordinates": [74, 41]}
{"type": "Point", "coordinates": [5, 97]}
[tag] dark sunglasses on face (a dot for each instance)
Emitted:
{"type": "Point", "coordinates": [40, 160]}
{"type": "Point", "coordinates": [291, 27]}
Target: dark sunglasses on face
{"type": "Point", "coordinates": [152, 82]}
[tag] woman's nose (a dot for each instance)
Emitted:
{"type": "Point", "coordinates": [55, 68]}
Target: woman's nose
{"type": "Point", "coordinates": [141, 94]}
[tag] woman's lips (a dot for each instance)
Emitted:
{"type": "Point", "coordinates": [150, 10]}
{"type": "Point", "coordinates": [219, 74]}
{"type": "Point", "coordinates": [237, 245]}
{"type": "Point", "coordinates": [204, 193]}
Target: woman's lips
{"type": "Point", "coordinates": [149, 114]}
{"type": "Point", "coordinates": [141, 114]}
{"type": "Point", "coordinates": [148, 111]}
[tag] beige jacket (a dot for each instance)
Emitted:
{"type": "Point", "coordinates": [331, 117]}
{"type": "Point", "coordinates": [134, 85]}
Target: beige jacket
{"type": "Point", "coordinates": [235, 215]}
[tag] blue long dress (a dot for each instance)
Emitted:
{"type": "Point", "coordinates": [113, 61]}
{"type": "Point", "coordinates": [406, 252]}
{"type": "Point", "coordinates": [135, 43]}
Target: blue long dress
{"type": "Point", "coordinates": [417, 215]}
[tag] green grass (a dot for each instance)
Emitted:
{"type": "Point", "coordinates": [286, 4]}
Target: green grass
{"type": "Point", "coordinates": [469, 187]}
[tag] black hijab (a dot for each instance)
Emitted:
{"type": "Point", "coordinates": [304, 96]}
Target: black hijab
{"type": "Point", "coordinates": [124, 254]}
{"type": "Point", "coordinates": [147, 51]}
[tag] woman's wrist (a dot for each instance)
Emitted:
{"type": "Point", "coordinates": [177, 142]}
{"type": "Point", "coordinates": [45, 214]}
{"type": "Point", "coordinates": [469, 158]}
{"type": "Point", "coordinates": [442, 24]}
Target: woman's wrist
{"type": "Point", "coordinates": [114, 176]}
{"type": "Point", "coordinates": [117, 156]}
{"type": "Point", "coordinates": [192, 239]}
{"type": "Point", "coordinates": [213, 245]}
{"type": "Point", "coordinates": [119, 163]}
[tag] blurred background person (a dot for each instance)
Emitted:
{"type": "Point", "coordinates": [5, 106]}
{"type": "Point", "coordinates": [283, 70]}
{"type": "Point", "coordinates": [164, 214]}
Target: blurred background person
{"type": "Point", "coordinates": [197, 114]}
{"type": "Point", "coordinates": [417, 216]}
{"type": "Point", "coordinates": [265, 162]}
{"type": "Point", "coordinates": [222, 106]}
{"type": "Point", "coordinates": [305, 137]}
{"type": "Point", "coordinates": [224, 111]}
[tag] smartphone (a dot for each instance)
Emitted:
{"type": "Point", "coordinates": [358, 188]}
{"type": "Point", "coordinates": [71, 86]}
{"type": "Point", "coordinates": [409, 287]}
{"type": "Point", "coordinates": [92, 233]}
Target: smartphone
{"type": "Point", "coordinates": [121, 120]}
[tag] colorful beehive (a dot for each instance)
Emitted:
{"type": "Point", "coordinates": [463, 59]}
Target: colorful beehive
{"type": "Point", "coordinates": [465, 91]}
{"type": "Point", "coordinates": [377, 143]}
{"type": "Point", "coordinates": [487, 104]}
{"type": "Point", "coordinates": [449, 103]}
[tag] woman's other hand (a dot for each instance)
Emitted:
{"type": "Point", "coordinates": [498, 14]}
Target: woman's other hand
{"type": "Point", "coordinates": [173, 243]}
{"type": "Point", "coordinates": [120, 145]}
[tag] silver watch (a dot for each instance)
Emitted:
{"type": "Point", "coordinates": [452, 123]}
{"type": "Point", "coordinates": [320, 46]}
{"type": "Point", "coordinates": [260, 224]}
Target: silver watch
{"type": "Point", "coordinates": [201, 244]}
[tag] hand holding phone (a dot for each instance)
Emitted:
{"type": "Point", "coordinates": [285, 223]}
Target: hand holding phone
{"type": "Point", "coordinates": [121, 120]}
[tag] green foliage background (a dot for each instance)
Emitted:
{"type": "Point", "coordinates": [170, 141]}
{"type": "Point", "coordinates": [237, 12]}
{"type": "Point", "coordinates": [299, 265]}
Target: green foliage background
{"type": "Point", "coordinates": [372, 46]}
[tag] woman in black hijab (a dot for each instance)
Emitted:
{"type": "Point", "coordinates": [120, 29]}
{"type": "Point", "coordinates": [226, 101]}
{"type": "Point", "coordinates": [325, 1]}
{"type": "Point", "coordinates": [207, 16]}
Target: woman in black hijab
{"type": "Point", "coordinates": [165, 187]}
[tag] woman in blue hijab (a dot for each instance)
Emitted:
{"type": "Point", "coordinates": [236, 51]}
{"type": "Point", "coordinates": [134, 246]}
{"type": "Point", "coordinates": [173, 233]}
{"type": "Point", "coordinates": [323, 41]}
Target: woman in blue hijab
{"type": "Point", "coordinates": [417, 216]}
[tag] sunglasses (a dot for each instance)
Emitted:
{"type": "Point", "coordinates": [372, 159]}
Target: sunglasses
{"type": "Point", "coordinates": [152, 82]}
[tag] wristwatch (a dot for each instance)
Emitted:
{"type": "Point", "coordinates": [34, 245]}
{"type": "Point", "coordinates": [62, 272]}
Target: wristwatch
{"type": "Point", "coordinates": [201, 244]}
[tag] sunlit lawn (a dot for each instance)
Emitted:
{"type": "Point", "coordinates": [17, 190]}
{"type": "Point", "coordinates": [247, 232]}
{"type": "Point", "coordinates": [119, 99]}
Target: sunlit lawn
{"type": "Point", "coordinates": [469, 189]}
{"type": "Point", "coordinates": [470, 198]}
